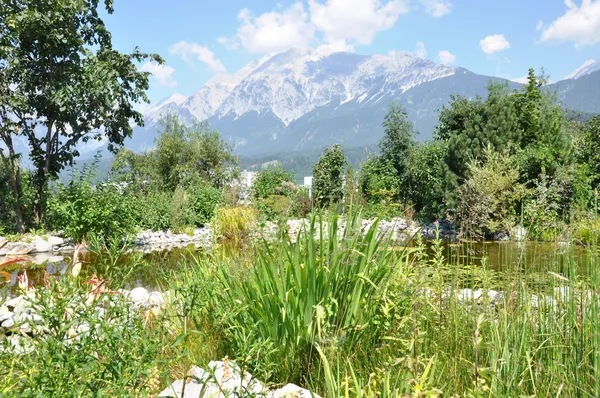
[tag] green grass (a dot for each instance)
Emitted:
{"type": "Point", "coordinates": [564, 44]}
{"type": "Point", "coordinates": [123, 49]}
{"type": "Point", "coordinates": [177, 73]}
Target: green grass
{"type": "Point", "coordinates": [345, 315]}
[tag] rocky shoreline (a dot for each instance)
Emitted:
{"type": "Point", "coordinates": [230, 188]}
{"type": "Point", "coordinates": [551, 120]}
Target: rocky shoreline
{"type": "Point", "coordinates": [51, 247]}
{"type": "Point", "coordinates": [43, 248]}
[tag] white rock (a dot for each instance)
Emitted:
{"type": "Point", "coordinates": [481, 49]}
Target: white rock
{"type": "Point", "coordinates": [139, 295]}
{"type": "Point", "coordinates": [8, 322]}
{"type": "Point", "coordinates": [222, 377]}
{"type": "Point", "coordinates": [16, 248]}
{"type": "Point", "coordinates": [192, 390]}
{"type": "Point", "coordinates": [157, 299]}
{"type": "Point", "coordinates": [56, 241]}
{"type": "Point", "coordinates": [518, 233]}
{"type": "Point", "coordinates": [292, 390]}
{"type": "Point", "coordinates": [41, 245]}
{"type": "Point", "coordinates": [5, 316]}
{"type": "Point", "coordinates": [469, 295]}
{"type": "Point", "coordinates": [13, 303]}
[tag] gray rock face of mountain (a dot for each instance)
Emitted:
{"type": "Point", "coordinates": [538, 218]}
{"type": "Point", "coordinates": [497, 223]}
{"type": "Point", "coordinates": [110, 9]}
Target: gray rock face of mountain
{"type": "Point", "coordinates": [580, 93]}
{"type": "Point", "coordinates": [304, 99]}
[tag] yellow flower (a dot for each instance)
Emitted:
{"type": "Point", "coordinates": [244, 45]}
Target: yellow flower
{"type": "Point", "coordinates": [418, 388]}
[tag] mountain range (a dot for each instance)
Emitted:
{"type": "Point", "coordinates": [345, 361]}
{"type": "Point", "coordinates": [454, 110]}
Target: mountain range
{"type": "Point", "coordinates": [307, 99]}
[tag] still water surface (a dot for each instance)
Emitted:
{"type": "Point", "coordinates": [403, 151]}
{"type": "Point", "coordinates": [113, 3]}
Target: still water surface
{"type": "Point", "coordinates": [151, 270]}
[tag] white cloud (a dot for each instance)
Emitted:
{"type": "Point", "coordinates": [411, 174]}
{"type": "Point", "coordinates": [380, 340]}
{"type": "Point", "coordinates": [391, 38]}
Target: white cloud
{"type": "Point", "coordinates": [580, 24]}
{"type": "Point", "coordinates": [230, 44]}
{"type": "Point", "coordinates": [163, 74]}
{"type": "Point", "coordinates": [203, 54]}
{"type": "Point", "coordinates": [446, 57]}
{"type": "Point", "coordinates": [493, 44]}
{"type": "Point", "coordinates": [420, 50]}
{"type": "Point", "coordinates": [354, 20]}
{"type": "Point", "coordinates": [437, 8]}
{"type": "Point", "coordinates": [275, 31]}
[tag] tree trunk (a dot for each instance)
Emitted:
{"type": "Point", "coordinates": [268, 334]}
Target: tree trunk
{"type": "Point", "coordinates": [41, 179]}
{"type": "Point", "coordinates": [15, 179]}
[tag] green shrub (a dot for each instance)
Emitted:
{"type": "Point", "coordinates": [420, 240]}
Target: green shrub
{"type": "Point", "coordinates": [276, 206]}
{"type": "Point", "coordinates": [269, 180]}
{"type": "Point", "coordinates": [155, 211]}
{"type": "Point", "coordinates": [81, 209]}
{"type": "Point", "coordinates": [182, 214]}
{"type": "Point", "coordinates": [490, 199]}
{"type": "Point", "coordinates": [549, 209]}
{"type": "Point", "coordinates": [83, 353]}
{"type": "Point", "coordinates": [328, 175]}
{"type": "Point", "coordinates": [203, 201]}
{"type": "Point", "coordinates": [302, 204]}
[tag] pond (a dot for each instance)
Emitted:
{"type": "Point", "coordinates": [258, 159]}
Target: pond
{"type": "Point", "coordinates": [151, 269]}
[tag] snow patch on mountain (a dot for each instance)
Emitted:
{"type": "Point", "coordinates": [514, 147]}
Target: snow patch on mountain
{"type": "Point", "coordinates": [589, 66]}
{"type": "Point", "coordinates": [295, 82]}
{"type": "Point", "coordinates": [157, 110]}
{"type": "Point", "coordinates": [205, 102]}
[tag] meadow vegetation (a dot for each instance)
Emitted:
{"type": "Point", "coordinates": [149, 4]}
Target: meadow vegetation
{"type": "Point", "coordinates": [344, 315]}
{"type": "Point", "coordinates": [341, 311]}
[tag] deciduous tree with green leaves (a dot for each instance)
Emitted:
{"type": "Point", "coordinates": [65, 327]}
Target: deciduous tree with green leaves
{"type": "Point", "coordinates": [192, 154]}
{"type": "Point", "coordinates": [58, 64]}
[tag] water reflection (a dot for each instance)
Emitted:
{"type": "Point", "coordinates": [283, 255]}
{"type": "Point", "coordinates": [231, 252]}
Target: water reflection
{"type": "Point", "coordinates": [151, 268]}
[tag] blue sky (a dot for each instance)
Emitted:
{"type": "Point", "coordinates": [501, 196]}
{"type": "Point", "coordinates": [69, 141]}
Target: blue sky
{"type": "Point", "coordinates": [493, 37]}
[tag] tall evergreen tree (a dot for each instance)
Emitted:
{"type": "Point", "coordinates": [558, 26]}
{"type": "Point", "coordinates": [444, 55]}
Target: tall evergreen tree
{"type": "Point", "coordinates": [398, 138]}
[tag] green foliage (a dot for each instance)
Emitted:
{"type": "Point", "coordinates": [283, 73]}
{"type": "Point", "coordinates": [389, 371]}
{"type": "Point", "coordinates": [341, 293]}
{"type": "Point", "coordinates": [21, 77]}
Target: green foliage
{"type": "Point", "coordinates": [426, 184]}
{"type": "Point", "coordinates": [398, 139]}
{"type": "Point", "coordinates": [8, 206]}
{"type": "Point", "coordinates": [379, 187]}
{"type": "Point", "coordinates": [298, 295]}
{"type": "Point", "coordinates": [490, 199]}
{"type": "Point", "coordinates": [58, 60]}
{"type": "Point", "coordinates": [83, 353]}
{"type": "Point", "coordinates": [155, 211]}
{"type": "Point", "coordinates": [82, 209]}
{"type": "Point", "coordinates": [204, 201]}
{"type": "Point", "coordinates": [182, 215]}
{"type": "Point", "coordinates": [589, 153]}
{"type": "Point", "coordinates": [328, 175]}
{"type": "Point", "coordinates": [547, 211]}
{"type": "Point", "coordinates": [234, 225]}
{"type": "Point", "coordinates": [269, 180]}
{"type": "Point", "coordinates": [187, 155]}
{"type": "Point", "coordinates": [275, 206]}
{"type": "Point", "coordinates": [468, 127]}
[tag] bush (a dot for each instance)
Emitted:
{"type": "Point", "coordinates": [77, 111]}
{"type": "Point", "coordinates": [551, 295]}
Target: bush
{"type": "Point", "coordinates": [490, 199]}
{"type": "Point", "coordinates": [301, 203]}
{"type": "Point", "coordinates": [276, 206]}
{"type": "Point", "coordinates": [547, 212]}
{"type": "Point", "coordinates": [328, 174]}
{"type": "Point", "coordinates": [269, 180]}
{"type": "Point", "coordinates": [104, 210]}
{"type": "Point", "coordinates": [203, 201]}
{"type": "Point", "coordinates": [235, 224]}
{"type": "Point", "coordinates": [155, 211]}
{"type": "Point", "coordinates": [182, 214]}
